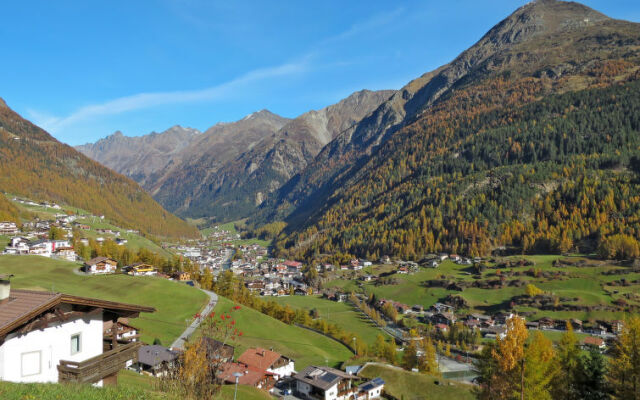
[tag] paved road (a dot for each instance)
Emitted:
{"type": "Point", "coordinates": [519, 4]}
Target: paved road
{"type": "Point", "coordinates": [213, 300]}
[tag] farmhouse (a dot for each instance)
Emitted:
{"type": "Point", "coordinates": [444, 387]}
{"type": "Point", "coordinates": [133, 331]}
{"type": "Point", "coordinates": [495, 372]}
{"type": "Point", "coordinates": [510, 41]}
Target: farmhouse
{"type": "Point", "coordinates": [249, 375]}
{"type": "Point", "coordinates": [141, 269]}
{"type": "Point", "coordinates": [100, 265]}
{"type": "Point", "coordinates": [125, 333]}
{"type": "Point", "coordinates": [155, 360]}
{"type": "Point", "coordinates": [55, 337]}
{"type": "Point", "coordinates": [371, 390]}
{"type": "Point", "coordinates": [181, 276]}
{"type": "Point", "coordinates": [268, 360]}
{"type": "Point", "coordinates": [8, 228]}
{"type": "Point", "coordinates": [324, 383]}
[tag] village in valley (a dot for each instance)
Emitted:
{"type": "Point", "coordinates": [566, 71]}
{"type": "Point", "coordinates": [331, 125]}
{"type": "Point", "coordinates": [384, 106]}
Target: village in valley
{"type": "Point", "coordinates": [457, 328]}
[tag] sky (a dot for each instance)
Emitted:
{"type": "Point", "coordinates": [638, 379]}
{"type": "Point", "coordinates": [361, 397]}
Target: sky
{"type": "Point", "coordinates": [85, 69]}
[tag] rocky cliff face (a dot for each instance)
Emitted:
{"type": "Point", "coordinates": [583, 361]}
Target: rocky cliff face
{"type": "Point", "coordinates": [228, 170]}
{"type": "Point", "coordinates": [141, 156]}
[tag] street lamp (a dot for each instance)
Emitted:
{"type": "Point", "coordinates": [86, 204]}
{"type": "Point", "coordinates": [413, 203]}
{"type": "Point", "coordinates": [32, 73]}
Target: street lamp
{"type": "Point", "coordinates": [237, 375]}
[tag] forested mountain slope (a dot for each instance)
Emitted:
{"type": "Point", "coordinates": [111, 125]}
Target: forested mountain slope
{"type": "Point", "coordinates": [35, 165]}
{"type": "Point", "coordinates": [527, 139]}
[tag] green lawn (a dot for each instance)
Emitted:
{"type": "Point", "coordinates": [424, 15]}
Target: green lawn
{"type": "Point", "coordinates": [415, 386]}
{"type": "Point", "coordinates": [54, 391]}
{"type": "Point", "coordinates": [175, 303]}
{"type": "Point", "coordinates": [342, 314]}
{"type": "Point", "coordinates": [134, 241]}
{"type": "Point", "coordinates": [305, 347]}
{"type": "Point", "coordinates": [244, 393]}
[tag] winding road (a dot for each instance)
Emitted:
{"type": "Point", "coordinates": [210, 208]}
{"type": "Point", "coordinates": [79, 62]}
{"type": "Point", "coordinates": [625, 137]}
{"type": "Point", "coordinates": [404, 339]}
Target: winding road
{"type": "Point", "coordinates": [213, 300]}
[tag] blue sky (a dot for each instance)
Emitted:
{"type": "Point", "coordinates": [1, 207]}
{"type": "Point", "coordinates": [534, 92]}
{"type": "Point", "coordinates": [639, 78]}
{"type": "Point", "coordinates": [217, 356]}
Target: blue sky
{"type": "Point", "coordinates": [84, 69]}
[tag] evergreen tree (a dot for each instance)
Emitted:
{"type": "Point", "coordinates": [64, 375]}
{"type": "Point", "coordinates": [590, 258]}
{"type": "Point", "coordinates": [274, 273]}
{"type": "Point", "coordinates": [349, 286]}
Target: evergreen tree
{"type": "Point", "coordinates": [591, 381]}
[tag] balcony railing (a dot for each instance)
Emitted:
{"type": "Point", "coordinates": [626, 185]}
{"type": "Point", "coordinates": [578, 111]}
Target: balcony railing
{"type": "Point", "coordinates": [98, 367]}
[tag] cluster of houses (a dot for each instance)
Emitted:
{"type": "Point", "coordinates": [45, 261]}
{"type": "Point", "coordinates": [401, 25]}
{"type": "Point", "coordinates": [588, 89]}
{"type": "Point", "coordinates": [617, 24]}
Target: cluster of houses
{"type": "Point", "coordinates": [21, 245]}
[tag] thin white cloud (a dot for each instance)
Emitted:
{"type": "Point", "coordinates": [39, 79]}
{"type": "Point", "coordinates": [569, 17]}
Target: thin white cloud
{"type": "Point", "coordinates": [148, 100]}
{"type": "Point", "coordinates": [56, 124]}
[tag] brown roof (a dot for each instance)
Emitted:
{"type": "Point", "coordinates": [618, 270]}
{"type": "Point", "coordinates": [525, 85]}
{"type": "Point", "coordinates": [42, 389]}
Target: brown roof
{"type": "Point", "coordinates": [593, 341]}
{"type": "Point", "coordinates": [259, 357]}
{"type": "Point", "coordinates": [97, 260]}
{"type": "Point", "coordinates": [250, 375]}
{"type": "Point", "coordinates": [24, 305]}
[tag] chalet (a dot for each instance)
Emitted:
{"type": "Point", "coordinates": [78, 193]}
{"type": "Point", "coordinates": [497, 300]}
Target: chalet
{"type": "Point", "coordinates": [455, 257]}
{"type": "Point", "coordinates": [42, 247]}
{"type": "Point", "coordinates": [592, 341]}
{"type": "Point", "coordinates": [17, 246]}
{"type": "Point", "coordinates": [155, 360]}
{"type": "Point", "coordinates": [366, 263]}
{"type": "Point", "coordinates": [181, 276]}
{"type": "Point", "coordinates": [121, 242]}
{"type": "Point", "coordinates": [402, 270]}
{"type": "Point", "coordinates": [125, 333]}
{"type": "Point", "coordinates": [546, 323]}
{"type": "Point", "coordinates": [100, 265]}
{"type": "Point", "coordinates": [366, 278]}
{"type": "Point", "coordinates": [218, 351]}
{"type": "Point", "coordinates": [268, 360]}
{"type": "Point", "coordinates": [8, 228]}
{"type": "Point", "coordinates": [293, 266]}
{"type": "Point", "coordinates": [324, 383]}
{"type": "Point", "coordinates": [66, 253]}
{"type": "Point", "coordinates": [300, 292]}
{"type": "Point", "coordinates": [447, 318]}
{"type": "Point", "coordinates": [444, 328]}
{"type": "Point", "coordinates": [617, 326]}
{"type": "Point", "coordinates": [246, 375]}
{"type": "Point", "coordinates": [371, 390]}
{"type": "Point", "coordinates": [55, 337]}
{"type": "Point", "coordinates": [443, 256]}
{"type": "Point", "coordinates": [496, 332]}
{"type": "Point", "coordinates": [140, 269]}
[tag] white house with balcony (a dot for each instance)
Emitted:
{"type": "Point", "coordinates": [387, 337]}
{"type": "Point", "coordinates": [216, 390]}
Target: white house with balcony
{"type": "Point", "coordinates": [55, 337]}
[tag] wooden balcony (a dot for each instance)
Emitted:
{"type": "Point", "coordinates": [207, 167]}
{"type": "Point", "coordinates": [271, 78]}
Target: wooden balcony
{"type": "Point", "coordinates": [97, 368]}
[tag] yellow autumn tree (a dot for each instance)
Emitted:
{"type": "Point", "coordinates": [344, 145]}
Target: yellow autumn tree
{"type": "Point", "coordinates": [539, 368]}
{"type": "Point", "coordinates": [624, 374]}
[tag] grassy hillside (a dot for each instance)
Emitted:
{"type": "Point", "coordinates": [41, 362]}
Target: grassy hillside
{"type": "Point", "coordinates": [342, 314]}
{"type": "Point", "coordinates": [175, 303]}
{"type": "Point", "coordinates": [414, 386]}
{"type": "Point", "coordinates": [33, 164]}
{"type": "Point", "coordinates": [586, 288]}
{"type": "Point", "coordinates": [305, 347]}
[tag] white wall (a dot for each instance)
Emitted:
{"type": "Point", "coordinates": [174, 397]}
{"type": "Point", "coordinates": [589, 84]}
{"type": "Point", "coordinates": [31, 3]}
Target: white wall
{"type": "Point", "coordinates": [286, 370]}
{"type": "Point", "coordinates": [49, 346]}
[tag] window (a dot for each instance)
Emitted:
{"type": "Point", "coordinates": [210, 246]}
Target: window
{"type": "Point", "coordinates": [30, 363]}
{"type": "Point", "coordinates": [75, 344]}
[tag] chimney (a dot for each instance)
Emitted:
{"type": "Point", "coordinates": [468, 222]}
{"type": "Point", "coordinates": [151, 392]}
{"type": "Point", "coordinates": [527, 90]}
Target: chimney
{"type": "Point", "coordinates": [5, 286]}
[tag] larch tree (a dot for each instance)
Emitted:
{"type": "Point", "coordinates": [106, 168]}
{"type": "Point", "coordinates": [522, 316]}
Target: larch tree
{"type": "Point", "coordinates": [624, 375]}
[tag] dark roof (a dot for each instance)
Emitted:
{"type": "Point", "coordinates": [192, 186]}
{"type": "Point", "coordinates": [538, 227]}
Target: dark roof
{"type": "Point", "coordinates": [372, 384]}
{"type": "Point", "coordinates": [217, 349]}
{"type": "Point", "coordinates": [154, 355]}
{"type": "Point", "coordinates": [24, 305]}
{"type": "Point", "coordinates": [321, 377]}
